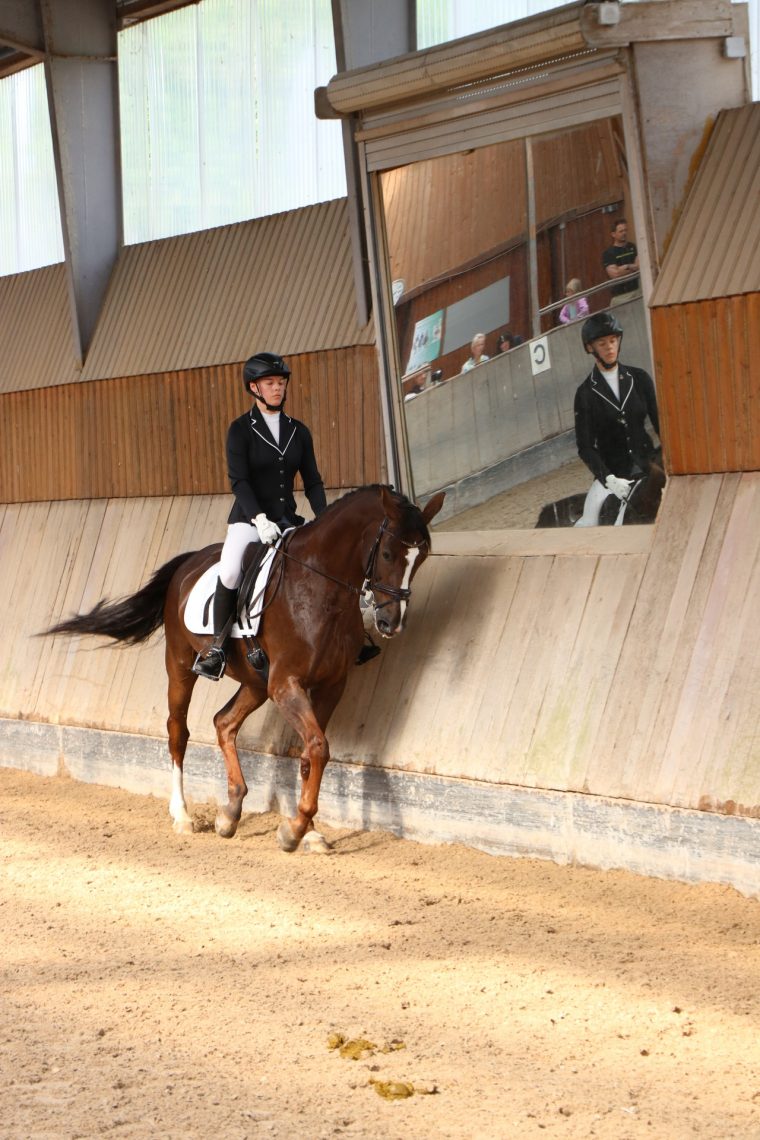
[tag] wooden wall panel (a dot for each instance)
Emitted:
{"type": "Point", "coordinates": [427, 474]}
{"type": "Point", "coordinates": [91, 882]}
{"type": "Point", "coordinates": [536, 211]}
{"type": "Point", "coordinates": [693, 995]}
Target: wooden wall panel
{"type": "Point", "coordinates": [584, 240]}
{"type": "Point", "coordinates": [630, 673]}
{"type": "Point", "coordinates": [165, 434]}
{"type": "Point", "coordinates": [707, 363]}
{"type": "Point", "coordinates": [444, 213]}
{"type": "Point", "coordinates": [578, 168]}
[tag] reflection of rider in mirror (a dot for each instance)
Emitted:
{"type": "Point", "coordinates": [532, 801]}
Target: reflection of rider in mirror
{"type": "Point", "coordinates": [477, 350]}
{"type": "Point", "coordinates": [611, 407]}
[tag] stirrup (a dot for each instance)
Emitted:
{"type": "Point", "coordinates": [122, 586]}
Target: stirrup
{"type": "Point", "coordinates": [367, 652]}
{"type": "Point", "coordinates": [210, 664]}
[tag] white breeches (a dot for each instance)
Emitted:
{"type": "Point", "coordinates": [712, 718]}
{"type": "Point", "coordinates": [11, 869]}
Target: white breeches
{"type": "Point", "coordinates": [230, 567]}
{"type": "Point", "coordinates": [595, 496]}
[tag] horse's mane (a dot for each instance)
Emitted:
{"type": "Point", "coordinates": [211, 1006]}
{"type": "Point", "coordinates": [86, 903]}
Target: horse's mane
{"type": "Point", "coordinates": [411, 516]}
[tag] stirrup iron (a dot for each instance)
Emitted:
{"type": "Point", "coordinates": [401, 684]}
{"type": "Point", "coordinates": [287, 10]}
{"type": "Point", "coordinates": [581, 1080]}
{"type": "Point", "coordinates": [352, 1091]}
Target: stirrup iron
{"type": "Point", "coordinates": [210, 664]}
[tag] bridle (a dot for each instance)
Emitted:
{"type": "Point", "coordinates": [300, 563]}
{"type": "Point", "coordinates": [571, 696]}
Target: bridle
{"type": "Point", "coordinates": [370, 584]}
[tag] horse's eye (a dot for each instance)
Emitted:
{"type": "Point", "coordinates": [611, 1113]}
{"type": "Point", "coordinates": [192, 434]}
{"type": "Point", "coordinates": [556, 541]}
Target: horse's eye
{"type": "Point", "coordinates": [387, 555]}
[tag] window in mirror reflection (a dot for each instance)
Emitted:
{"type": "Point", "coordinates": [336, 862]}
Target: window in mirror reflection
{"type": "Point", "coordinates": [488, 322]}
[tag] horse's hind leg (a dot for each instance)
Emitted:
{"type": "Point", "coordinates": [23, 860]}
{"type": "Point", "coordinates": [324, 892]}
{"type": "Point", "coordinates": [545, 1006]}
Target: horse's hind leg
{"type": "Point", "coordinates": [227, 723]}
{"type": "Point", "coordinates": [181, 684]}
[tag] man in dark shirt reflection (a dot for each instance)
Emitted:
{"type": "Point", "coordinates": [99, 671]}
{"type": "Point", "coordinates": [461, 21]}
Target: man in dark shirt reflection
{"type": "Point", "coordinates": [621, 262]}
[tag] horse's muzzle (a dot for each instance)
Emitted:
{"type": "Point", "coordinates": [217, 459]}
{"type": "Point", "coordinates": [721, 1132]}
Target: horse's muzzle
{"type": "Point", "coordinates": [390, 620]}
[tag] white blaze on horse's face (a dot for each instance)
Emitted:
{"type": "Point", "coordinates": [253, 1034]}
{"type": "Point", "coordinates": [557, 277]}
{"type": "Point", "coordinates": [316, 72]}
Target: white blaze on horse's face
{"type": "Point", "coordinates": [383, 621]}
{"type": "Point", "coordinates": [412, 555]}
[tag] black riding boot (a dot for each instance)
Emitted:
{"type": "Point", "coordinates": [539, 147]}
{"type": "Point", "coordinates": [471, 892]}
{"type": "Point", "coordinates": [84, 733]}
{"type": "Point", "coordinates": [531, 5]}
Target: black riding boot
{"type": "Point", "coordinates": [212, 662]}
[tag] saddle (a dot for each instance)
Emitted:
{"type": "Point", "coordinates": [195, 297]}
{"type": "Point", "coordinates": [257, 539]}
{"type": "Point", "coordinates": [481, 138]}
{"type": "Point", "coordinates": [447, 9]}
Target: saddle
{"type": "Point", "coordinates": [256, 563]}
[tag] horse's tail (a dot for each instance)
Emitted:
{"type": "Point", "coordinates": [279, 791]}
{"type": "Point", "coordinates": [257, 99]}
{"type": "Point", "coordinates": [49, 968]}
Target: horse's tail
{"type": "Point", "coordinates": [132, 619]}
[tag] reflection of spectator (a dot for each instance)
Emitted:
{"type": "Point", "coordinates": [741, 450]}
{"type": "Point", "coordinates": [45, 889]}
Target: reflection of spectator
{"type": "Point", "coordinates": [573, 310]}
{"type": "Point", "coordinates": [611, 407]}
{"type": "Point", "coordinates": [507, 341]}
{"type": "Point", "coordinates": [621, 259]}
{"type": "Point", "coordinates": [478, 356]}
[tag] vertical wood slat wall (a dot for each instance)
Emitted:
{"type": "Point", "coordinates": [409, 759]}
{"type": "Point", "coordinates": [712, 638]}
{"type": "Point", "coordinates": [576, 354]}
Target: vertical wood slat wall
{"type": "Point", "coordinates": [631, 675]}
{"type": "Point", "coordinates": [707, 361]}
{"type": "Point", "coordinates": [164, 434]}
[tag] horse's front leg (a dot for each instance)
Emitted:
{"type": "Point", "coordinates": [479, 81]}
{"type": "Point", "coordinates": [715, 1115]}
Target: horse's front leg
{"type": "Point", "coordinates": [227, 723]}
{"type": "Point", "coordinates": [299, 712]}
{"type": "Point", "coordinates": [324, 702]}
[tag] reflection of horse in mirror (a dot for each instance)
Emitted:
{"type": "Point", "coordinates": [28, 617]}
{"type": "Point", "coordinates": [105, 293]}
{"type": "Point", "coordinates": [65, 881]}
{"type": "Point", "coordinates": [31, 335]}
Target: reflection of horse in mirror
{"type": "Point", "coordinates": [641, 506]}
{"type": "Point", "coordinates": [311, 631]}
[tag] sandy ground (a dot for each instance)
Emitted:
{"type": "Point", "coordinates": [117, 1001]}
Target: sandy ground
{"type": "Point", "coordinates": [156, 986]}
{"type": "Point", "coordinates": [520, 507]}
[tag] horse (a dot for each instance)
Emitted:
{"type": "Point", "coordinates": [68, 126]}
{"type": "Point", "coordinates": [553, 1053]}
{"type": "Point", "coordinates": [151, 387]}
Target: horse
{"type": "Point", "coordinates": [641, 506]}
{"type": "Point", "coordinates": [368, 544]}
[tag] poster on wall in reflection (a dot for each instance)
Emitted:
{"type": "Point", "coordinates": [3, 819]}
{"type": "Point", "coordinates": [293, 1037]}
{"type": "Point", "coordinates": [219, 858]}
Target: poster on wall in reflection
{"type": "Point", "coordinates": [426, 344]}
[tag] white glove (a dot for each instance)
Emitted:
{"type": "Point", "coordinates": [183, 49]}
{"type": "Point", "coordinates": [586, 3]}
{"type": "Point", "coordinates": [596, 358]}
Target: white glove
{"type": "Point", "coordinates": [619, 487]}
{"type": "Point", "coordinates": [269, 532]}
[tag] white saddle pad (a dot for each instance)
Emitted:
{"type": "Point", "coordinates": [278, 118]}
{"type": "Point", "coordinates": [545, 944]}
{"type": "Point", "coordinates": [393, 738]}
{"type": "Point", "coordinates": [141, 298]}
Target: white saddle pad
{"type": "Point", "coordinates": [199, 610]}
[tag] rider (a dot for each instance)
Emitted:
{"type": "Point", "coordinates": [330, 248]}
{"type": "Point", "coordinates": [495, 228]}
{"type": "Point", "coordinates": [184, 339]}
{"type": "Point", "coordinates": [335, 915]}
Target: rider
{"type": "Point", "coordinates": [611, 406]}
{"type": "Point", "coordinates": [265, 450]}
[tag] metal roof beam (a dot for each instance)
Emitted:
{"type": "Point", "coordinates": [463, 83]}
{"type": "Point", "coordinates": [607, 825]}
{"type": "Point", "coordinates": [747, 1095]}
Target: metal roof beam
{"type": "Point", "coordinates": [366, 32]}
{"type": "Point", "coordinates": [21, 39]}
{"type": "Point", "coordinates": [21, 26]}
{"type": "Point", "coordinates": [82, 83]}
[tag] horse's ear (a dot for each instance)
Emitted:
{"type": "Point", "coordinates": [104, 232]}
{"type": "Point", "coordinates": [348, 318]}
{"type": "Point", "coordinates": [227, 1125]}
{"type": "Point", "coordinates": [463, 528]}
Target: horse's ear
{"type": "Point", "coordinates": [433, 506]}
{"type": "Point", "coordinates": [390, 502]}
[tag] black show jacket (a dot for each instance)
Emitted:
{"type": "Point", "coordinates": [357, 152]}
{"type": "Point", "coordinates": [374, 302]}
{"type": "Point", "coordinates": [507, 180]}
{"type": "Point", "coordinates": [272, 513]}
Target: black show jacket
{"type": "Point", "coordinates": [262, 472]}
{"type": "Point", "coordinates": [610, 433]}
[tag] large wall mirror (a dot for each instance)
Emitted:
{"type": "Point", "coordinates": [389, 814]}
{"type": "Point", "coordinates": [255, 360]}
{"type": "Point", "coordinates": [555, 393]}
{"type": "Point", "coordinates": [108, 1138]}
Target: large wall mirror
{"type": "Point", "coordinates": [505, 239]}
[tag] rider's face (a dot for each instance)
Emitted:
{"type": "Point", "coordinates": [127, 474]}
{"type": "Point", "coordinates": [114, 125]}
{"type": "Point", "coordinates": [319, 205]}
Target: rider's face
{"type": "Point", "coordinates": [607, 347]}
{"type": "Point", "coordinates": [271, 388]}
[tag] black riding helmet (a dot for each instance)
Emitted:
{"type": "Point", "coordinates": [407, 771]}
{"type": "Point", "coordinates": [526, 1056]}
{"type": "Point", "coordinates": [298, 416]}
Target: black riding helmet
{"type": "Point", "coordinates": [597, 325]}
{"type": "Point", "coordinates": [261, 365]}
{"type": "Point", "coordinates": [600, 324]}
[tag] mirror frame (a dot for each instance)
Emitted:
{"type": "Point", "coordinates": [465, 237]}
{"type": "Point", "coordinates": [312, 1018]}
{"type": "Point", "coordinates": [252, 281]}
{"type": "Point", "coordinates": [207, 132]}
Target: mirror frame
{"type": "Point", "coordinates": [396, 437]}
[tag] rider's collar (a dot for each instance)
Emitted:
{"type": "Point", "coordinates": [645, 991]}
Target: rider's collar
{"type": "Point", "coordinates": [597, 373]}
{"type": "Point", "coordinates": [257, 415]}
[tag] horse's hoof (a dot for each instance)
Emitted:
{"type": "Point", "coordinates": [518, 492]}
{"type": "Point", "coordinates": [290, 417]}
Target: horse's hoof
{"type": "Point", "coordinates": [286, 840]}
{"type": "Point", "coordinates": [225, 827]}
{"type": "Point", "coordinates": [183, 826]}
{"type": "Point", "coordinates": [313, 843]}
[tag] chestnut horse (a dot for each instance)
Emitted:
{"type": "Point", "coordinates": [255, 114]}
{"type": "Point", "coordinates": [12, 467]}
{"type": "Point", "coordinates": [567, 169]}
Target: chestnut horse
{"type": "Point", "coordinates": [372, 542]}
